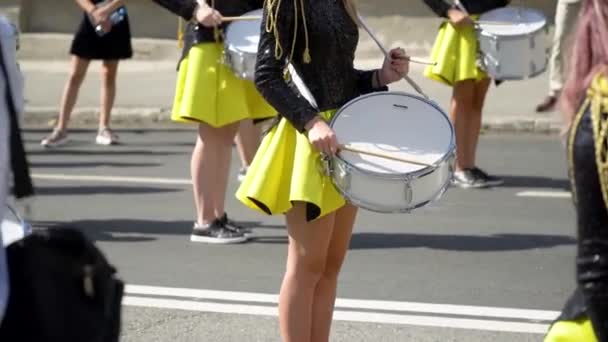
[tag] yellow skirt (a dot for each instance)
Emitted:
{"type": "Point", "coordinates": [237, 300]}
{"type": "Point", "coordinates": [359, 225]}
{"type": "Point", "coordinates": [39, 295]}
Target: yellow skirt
{"type": "Point", "coordinates": [208, 91]}
{"type": "Point", "coordinates": [286, 169]}
{"type": "Point", "coordinates": [571, 331]}
{"type": "Point", "coordinates": [455, 52]}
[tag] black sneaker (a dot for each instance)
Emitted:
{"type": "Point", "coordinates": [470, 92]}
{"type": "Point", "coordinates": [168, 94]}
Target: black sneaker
{"type": "Point", "coordinates": [228, 223]}
{"type": "Point", "coordinates": [216, 233]}
{"type": "Point", "coordinates": [467, 179]}
{"type": "Point", "coordinates": [489, 180]}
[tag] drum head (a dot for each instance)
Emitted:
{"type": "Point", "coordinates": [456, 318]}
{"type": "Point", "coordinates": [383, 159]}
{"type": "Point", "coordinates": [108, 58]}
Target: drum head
{"type": "Point", "coordinates": [396, 124]}
{"type": "Point", "coordinates": [244, 36]}
{"type": "Point", "coordinates": [524, 21]}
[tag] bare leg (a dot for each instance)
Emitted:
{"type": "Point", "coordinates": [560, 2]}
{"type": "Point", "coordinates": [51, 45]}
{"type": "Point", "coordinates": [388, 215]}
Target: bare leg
{"type": "Point", "coordinates": [325, 293]}
{"type": "Point", "coordinates": [78, 70]}
{"type": "Point", "coordinates": [247, 142]}
{"type": "Point", "coordinates": [108, 91]}
{"type": "Point", "coordinates": [222, 167]}
{"type": "Point", "coordinates": [306, 262]}
{"type": "Point", "coordinates": [209, 167]}
{"type": "Point", "coordinates": [474, 129]}
{"type": "Point", "coordinates": [461, 113]}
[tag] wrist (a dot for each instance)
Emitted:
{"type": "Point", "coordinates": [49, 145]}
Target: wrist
{"type": "Point", "coordinates": [380, 78]}
{"type": "Point", "coordinates": [310, 124]}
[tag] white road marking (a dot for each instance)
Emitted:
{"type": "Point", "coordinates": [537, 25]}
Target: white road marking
{"type": "Point", "coordinates": [111, 179]}
{"type": "Point", "coordinates": [353, 316]}
{"type": "Point", "coordinates": [445, 309]}
{"type": "Point", "coordinates": [545, 194]}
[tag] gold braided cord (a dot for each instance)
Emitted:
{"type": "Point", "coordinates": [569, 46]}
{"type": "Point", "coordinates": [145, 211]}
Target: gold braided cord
{"type": "Point", "coordinates": [272, 17]}
{"type": "Point", "coordinates": [598, 95]}
{"type": "Point", "coordinates": [307, 59]}
{"type": "Point", "coordinates": [571, 138]}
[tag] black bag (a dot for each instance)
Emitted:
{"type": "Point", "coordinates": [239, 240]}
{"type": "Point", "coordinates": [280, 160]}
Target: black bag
{"type": "Point", "coordinates": [62, 289]}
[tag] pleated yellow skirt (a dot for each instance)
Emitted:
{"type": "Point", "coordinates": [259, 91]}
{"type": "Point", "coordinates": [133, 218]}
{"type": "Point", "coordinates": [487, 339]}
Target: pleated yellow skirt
{"type": "Point", "coordinates": [571, 331]}
{"type": "Point", "coordinates": [455, 52]}
{"type": "Point", "coordinates": [287, 169]}
{"type": "Point", "coordinates": [208, 91]}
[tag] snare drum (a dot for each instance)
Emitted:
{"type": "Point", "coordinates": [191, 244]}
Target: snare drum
{"type": "Point", "coordinates": [241, 45]}
{"type": "Point", "coordinates": [513, 51]}
{"type": "Point", "coordinates": [402, 126]}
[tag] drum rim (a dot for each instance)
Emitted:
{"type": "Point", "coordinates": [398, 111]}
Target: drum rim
{"type": "Point", "coordinates": [230, 26]}
{"type": "Point", "coordinates": [410, 175]}
{"type": "Point", "coordinates": [480, 28]}
{"type": "Point", "coordinates": [361, 203]}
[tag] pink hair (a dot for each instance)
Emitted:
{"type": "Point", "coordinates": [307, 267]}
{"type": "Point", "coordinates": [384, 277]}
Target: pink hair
{"type": "Point", "coordinates": [589, 56]}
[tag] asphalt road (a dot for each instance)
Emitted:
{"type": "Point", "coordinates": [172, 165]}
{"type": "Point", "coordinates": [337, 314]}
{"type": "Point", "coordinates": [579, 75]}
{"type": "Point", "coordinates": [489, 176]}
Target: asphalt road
{"type": "Point", "coordinates": [480, 265]}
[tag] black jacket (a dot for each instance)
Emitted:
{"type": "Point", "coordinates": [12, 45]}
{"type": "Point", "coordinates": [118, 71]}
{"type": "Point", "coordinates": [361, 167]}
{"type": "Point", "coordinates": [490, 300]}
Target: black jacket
{"type": "Point", "coordinates": [330, 75]}
{"type": "Point", "coordinates": [441, 7]}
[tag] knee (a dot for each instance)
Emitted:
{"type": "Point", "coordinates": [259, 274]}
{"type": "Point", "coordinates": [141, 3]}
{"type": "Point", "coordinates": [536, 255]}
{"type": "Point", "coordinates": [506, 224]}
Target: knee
{"type": "Point", "coordinates": [108, 76]}
{"type": "Point", "coordinates": [76, 76]}
{"type": "Point", "coordinates": [332, 268]}
{"type": "Point", "coordinates": [310, 272]}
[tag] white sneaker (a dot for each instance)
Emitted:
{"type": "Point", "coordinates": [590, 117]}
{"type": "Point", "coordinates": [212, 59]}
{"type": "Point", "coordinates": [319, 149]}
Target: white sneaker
{"type": "Point", "coordinates": [56, 138]}
{"type": "Point", "coordinates": [106, 137]}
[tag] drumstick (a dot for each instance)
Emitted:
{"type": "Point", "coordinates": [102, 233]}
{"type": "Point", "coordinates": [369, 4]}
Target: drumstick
{"type": "Point", "coordinates": [244, 17]}
{"type": "Point", "coordinates": [382, 155]}
{"type": "Point", "coordinates": [418, 60]}
{"type": "Point", "coordinates": [409, 80]}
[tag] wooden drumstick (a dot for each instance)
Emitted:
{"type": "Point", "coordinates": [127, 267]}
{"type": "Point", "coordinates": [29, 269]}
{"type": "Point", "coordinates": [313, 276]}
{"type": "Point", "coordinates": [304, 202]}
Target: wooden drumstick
{"type": "Point", "coordinates": [419, 61]}
{"type": "Point", "coordinates": [242, 18]}
{"type": "Point", "coordinates": [382, 155]}
{"type": "Point", "coordinates": [385, 51]}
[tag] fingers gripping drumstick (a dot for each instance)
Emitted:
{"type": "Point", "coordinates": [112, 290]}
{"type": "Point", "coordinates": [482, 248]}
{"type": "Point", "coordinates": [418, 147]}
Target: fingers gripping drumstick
{"type": "Point", "coordinates": [409, 80]}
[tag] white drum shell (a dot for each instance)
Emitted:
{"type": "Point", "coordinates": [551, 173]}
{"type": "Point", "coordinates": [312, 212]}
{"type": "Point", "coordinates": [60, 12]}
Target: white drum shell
{"type": "Point", "coordinates": [394, 192]}
{"type": "Point", "coordinates": [508, 56]}
{"type": "Point", "coordinates": [240, 45]}
{"type": "Point", "coordinates": [401, 194]}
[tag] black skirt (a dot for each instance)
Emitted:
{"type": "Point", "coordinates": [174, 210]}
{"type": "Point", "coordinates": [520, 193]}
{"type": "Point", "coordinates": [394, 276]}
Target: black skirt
{"type": "Point", "coordinates": [114, 45]}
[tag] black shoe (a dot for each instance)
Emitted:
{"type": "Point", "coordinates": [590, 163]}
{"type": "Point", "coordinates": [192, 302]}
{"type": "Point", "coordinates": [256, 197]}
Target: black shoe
{"type": "Point", "coordinates": [467, 179]}
{"type": "Point", "coordinates": [216, 233]}
{"type": "Point", "coordinates": [228, 223]}
{"type": "Point", "coordinates": [487, 179]}
{"type": "Point", "coordinates": [547, 105]}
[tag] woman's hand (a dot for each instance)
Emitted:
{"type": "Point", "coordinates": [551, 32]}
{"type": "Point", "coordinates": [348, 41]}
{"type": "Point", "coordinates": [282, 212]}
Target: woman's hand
{"type": "Point", "coordinates": [395, 67]}
{"type": "Point", "coordinates": [322, 137]}
{"type": "Point", "coordinates": [100, 16]}
{"type": "Point", "coordinates": [206, 15]}
{"type": "Point", "coordinates": [458, 18]}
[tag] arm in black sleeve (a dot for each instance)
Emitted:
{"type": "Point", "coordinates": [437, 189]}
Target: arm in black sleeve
{"type": "Point", "coordinates": [365, 82]}
{"type": "Point", "coordinates": [182, 8]}
{"type": "Point", "coordinates": [440, 7]}
{"type": "Point", "coordinates": [269, 70]}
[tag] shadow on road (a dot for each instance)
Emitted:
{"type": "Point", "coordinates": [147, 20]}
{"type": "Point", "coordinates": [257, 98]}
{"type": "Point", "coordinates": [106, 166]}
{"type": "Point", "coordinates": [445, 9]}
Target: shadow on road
{"type": "Point", "coordinates": [535, 182]}
{"type": "Point", "coordinates": [470, 243]}
{"type": "Point", "coordinates": [123, 230]}
{"type": "Point", "coordinates": [99, 152]}
{"type": "Point", "coordinates": [100, 190]}
{"type": "Point", "coordinates": [85, 164]}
